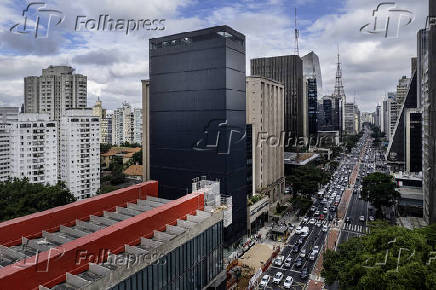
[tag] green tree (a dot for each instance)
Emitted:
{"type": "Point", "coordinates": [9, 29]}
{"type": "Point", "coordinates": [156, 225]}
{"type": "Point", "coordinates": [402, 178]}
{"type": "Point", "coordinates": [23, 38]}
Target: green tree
{"type": "Point", "coordinates": [19, 197]}
{"type": "Point", "coordinates": [306, 179]}
{"type": "Point", "coordinates": [104, 147]}
{"type": "Point", "coordinates": [131, 145]}
{"type": "Point", "coordinates": [379, 189]}
{"type": "Point", "coordinates": [374, 261]}
{"type": "Point", "coordinates": [136, 158]}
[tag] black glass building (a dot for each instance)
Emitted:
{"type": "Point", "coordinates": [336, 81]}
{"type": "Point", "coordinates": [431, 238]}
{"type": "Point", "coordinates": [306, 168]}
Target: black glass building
{"type": "Point", "coordinates": [197, 115]}
{"type": "Point", "coordinates": [312, 95]}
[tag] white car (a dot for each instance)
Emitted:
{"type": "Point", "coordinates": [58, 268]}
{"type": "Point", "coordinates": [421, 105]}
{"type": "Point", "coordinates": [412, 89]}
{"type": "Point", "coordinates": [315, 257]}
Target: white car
{"type": "Point", "coordinates": [298, 230]}
{"type": "Point", "coordinates": [325, 228]}
{"type": "Point", "coordinates": [303, 253]}
{"type": "Point", "coordinates": [312, 221]}
{"type": "Point", "coordinates": [279, 260]}
{"type": "Point", "coordinates": [316, 213]}
{"type": "Point", "coordinates": [315, 249]}
{"type": "Point", "coordinates": [318, 224]}
{"type": "Point", "coordinates": [288, 282]}
{"type": "Point", "coordinates": [265, 280]}
{"type": "Point", "coordinates": [305, 219]}
{"type": "Point", "coordinates": [362, 218]}
{"type": "Point", "coordinates": [278, 278]}
{"type": "Point", "coordinates": [325, 210]}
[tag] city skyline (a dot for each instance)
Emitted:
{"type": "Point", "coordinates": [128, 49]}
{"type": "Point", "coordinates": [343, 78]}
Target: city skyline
{"type": "Point", "coordinates": [115, 62]}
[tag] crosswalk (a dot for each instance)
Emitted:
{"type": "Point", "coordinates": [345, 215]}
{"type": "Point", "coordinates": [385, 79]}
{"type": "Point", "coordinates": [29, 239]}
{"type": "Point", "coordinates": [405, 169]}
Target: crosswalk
{"type": "Point", "coordinates": [356, 228]}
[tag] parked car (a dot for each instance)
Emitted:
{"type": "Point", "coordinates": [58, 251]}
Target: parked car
{"type": "Point", "coordinates": [288, 282]}
{"type": "Point", "coordinates": [298, 262]}
{"type": "Point", "coordinates": [304, 273]}
{"type": "Point", "coordinates": [371, 218]}
{"type": "Point", "coordinates": [298, 230]}
{"type": "Point", "coordinates": [265, 280]}
{"type": "Point", "coordinates": [288, 262]}
{"type": "Point", "coordinates": [278, 278]}
{"type": "Point", "coordinates": [279, 260]}
{"type": "Point", "coordinates": [303, 253]}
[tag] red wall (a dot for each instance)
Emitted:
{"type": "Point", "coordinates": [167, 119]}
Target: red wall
{"type": "Point", "coordinates": [31, 226]}
{"type": "Point", "coordinates": [112, 238]}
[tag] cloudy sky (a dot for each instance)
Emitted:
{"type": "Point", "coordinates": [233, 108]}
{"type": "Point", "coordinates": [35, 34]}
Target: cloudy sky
{"type": "Point", "coordinates": [115, 62]}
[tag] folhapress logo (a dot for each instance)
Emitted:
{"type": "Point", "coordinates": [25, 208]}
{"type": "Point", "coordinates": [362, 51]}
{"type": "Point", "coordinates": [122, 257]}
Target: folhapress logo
{"type": "Point", "coordinates": [388, 20]}
{"type": "Point", "coordinates": [37, 19]}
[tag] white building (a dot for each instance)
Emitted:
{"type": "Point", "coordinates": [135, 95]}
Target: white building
{"type": "Point", "coordinates": [4, 152]}
{"type": "Point", "coordinates": [122, 125]}
{"type": "Point", "coordinates": [264, 111]}
{"type": "Point", "coordinates": [34, 149]}
{"type": "Point", "coordinates": [55, 91]}
{"type": "Point", "coordinates": [79, 155]}
{"type": "Point", "coordinates": [137, 126]}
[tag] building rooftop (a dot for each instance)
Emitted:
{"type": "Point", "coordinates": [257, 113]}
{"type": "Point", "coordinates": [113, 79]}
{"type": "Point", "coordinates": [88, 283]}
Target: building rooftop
{"type": "Point", "coordinates": [126, 152]}
{"type": "Point", "coordinates": [300, 159]}
{"type": "Point", "coordinates": [89, 244]}
{"type": "Point", "coordinates": [134, 170]}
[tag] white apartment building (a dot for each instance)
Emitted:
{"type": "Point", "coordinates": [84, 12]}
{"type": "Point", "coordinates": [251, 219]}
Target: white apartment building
{"type": "Point", "coordinates": [137, 125]}
{"type": "Point", "coordinates": [79, 154]}
{"type": "Point", "coordinates": [122, 125]}
{"type": "Point", "coordinates": [55, 91]}
{"type": "Point", "coordinates": [4, 151]}
{"type": "Point", "coordinates": [264, 111]}
{"type": "Point", "coordinates": [34, 149]}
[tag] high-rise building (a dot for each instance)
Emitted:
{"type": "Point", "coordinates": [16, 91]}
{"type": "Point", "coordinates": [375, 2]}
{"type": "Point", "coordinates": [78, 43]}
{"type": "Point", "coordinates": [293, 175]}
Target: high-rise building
{"type": "Point", "coordinates": [145, 84]}
{"type": "Point", "coordinates": [312, 98]}
{"type": "Point", "coordinates": [265, 114]}
{"type": "Point", "coordinates": [312, 69]}
{"type": "Point", "coordinates": [55, 91]}
{"type": "Point", "coordinates": [105, 122]}
{"type": "Point", "coordinates": [428, 100]}
{"type": "Point", "coordinates": [137, 125]}
{"type": "Point", "coordinates": [98, 109]}
{"type": "Point", "coordinates": [384, 117]}
{"type": "Point", "coordinates": [402, 89]}
{"type": "Point", "coordinates": [34, 148]}
{"type": "Point", "coordinates": [327, 104]}
{"type": "Point", "coordinates": [351, 113]}
{"type": "Point", "coordinates": [7, 116]}
{"type": "Point", "coordinates": [79, 157]}
{"type": "Point", "coordinates": [288, 70]}
{"type": "Point", "coordinates": [122, 125]}
{"type": "Point", "coordinates": [197, 115]}
{"type": "Point", "coordinates": [339, 100]}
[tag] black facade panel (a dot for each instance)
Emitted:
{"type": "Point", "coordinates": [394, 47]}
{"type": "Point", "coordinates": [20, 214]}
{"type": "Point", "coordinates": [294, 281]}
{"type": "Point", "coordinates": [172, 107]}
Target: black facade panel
{"type": "Point", "coordinates": [197, 114]}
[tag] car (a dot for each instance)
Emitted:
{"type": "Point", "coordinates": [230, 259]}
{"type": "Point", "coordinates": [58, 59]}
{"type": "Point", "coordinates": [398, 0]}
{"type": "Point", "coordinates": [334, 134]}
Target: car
{"type": "Point", "coordinates": [312, 221]}
{"type": "Point", "coordinates": [316, 213]}
{"type": "Point", "coordinates": [304, 273]}
{"type": "Point", "coordinates": [305, 219]}
{"type": "Point", "coordinates": [288, 262]}
{"type": "Point", "coordinates": [279, 261]}
{"type": "Point", "coordinates": [265, 280]}
{"type": "Point", "coordinates": [318, 224]}
{"type": "Point", "coordinates": [303, 253]}
{"type": "Point", "coordinates": [312, 256]}
{"type": "Point", "coordinates": [325, 211]}
{"type": "Point", "coordinates": [325, 228]}
{"type": "Point", "coordinates": [315, 249]}
{"type": "Point", "coordinates": [298, 262]}
{"type": "Point", "coordinates": [278, 278]}
{"type": "Point", "coordinates": [347, 219]}
{"type": "Point", "coordinates": [371, 218]}
{"type": "Point", "coordinates": [312, 208]}
{"type": "Point", "coordinates": [330, 217]}
{"type": "Point", "coordinates": [362, 218]}
{"type": "Point", "coordinates": [300, 241]}
{"type": "Point", "coordinates": [288, 282]}
{"type": "Point", "coordinates": [298, 230]}
{"type": "Point", "coordinates": [296, 249]}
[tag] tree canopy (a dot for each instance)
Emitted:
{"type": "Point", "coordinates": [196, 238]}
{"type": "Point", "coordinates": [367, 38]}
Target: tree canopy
{"type": "Point", "coordinates": [306, 179]}
{"type": "Point", "coordinates": [379, 189]}
{"type": "Point", "coordinates": [19, 197]}
{"type": "Point", "coordinates": [390, 257]}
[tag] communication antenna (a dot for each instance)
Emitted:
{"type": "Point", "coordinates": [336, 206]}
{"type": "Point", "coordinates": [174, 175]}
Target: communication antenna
{"type": "Point", "coordinates": [297, 35]}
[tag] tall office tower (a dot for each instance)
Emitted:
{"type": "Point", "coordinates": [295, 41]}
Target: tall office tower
{"type": "Point", "coordinates": [55, 91]}
{"type": "Point", "coordinates": [137, 125]}
{"type": "Point", "coordinates": [320, 115]}
{"type": "Point", "coordinates": [312, 99]}
{"type": "Point", "coordinates": [377, 116]}
{"type": "Point", "coordinates": [122, 125]}
{"type": "Point", "coordinates": [287, 70]}
{"type": "Point", "coordinates": [79, 159]}
{"type": "Point", "coordinates": [312, 69]}
{"type": "Point", "coordinates": [349, 113]}
{"type": "Point", "coordinates": [106, 129]}
{"type": "Point", "coordinates": [100, 112]}
{"type": "Point", "coordinates": [197, 115]}
{"type": "Point", "coordinates": [327, 104]}
{"type": "Point", "coordinates": [34, 148]}
{"type": "Point", "coordinates": [265, 113]}
{"type": "Point", "coordinates": [422, 61]}
{"type": "Point", "coordinates": [339, 100]}
{"type": "Point", "coordinates": [428, 95]}
{"type": "Point", "coordinates": [405, 127]}
{"type": "Point", "coordinates": [7, 116]}
{"type": "Point", "coordinates": [357, 123]}
{"type": "Point", "coordinates": [145, 84]}
{"type": "Point", "coordinates": [402, 89]}
{"type": "Point", "coordinates": [384, 116]}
